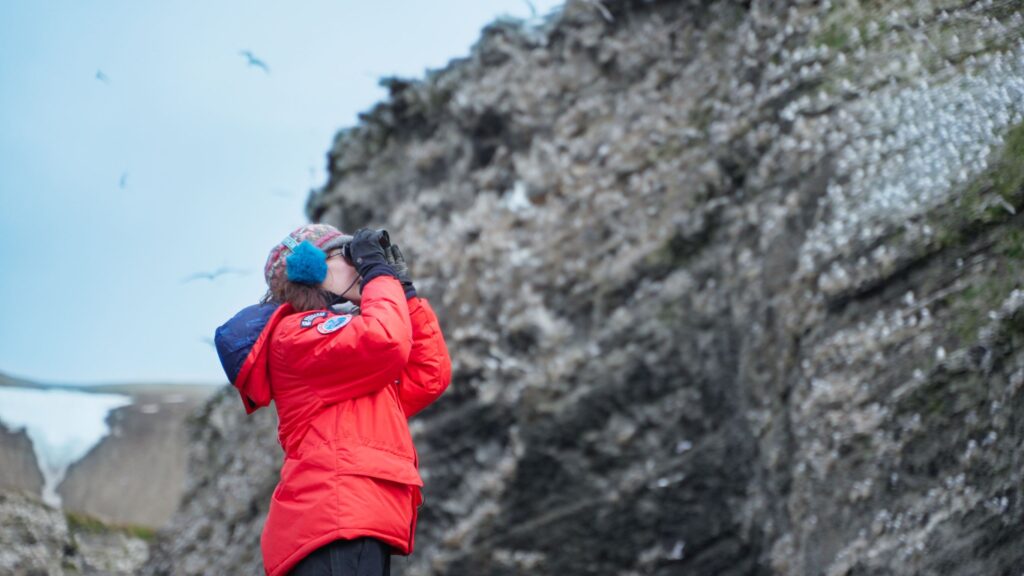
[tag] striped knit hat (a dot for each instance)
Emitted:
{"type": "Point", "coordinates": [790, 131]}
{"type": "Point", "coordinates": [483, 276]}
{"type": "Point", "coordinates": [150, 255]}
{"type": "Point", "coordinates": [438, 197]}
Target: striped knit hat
{"type": "Point", "coordinates": [323, 236]}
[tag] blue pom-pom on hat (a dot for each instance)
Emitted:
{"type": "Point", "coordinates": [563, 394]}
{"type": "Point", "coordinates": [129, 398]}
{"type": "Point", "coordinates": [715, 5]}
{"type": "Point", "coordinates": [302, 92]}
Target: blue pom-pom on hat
{"type": "Point", "coordinates": [307, 264]}
{"type": "Point", "coordinates": [323, 236]}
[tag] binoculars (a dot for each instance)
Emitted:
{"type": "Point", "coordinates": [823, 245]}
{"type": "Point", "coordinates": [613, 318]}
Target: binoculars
{"type": "Point", "coordinates": [346, 248]}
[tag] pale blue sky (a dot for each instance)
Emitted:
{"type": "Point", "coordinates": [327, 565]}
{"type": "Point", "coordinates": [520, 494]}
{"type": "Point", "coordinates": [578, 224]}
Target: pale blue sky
{"type": "Point", "coordinates": [218, 156]}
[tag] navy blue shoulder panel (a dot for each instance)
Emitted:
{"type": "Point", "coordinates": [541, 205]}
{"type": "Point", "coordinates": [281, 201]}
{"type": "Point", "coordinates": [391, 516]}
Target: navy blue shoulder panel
{"type": "Point", "coordinates": [235, 338]}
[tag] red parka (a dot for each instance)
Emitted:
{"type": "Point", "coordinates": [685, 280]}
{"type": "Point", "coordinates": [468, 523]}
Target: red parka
{"type": "Point", "coordinates": [344, 387]}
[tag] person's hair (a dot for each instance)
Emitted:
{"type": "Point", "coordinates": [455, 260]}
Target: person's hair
{"type": "Point", "coordinates": [302, 297]}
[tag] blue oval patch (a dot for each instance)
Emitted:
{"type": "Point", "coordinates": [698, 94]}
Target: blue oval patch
{"type": "Point", "coordinates": [333, 324]}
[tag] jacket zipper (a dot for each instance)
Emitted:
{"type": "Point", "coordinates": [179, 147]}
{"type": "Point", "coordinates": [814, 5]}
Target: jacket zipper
{"type": "Point", "coordinates": [412, 527]}
{"type": "Point", "coordinates": [415, 507]}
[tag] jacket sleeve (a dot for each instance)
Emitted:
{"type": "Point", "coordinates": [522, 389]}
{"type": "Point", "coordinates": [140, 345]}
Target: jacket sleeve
{"type": "Point", "coordinates": [363, 356]}
{"type": "Point", "coordinates": [429, 369]}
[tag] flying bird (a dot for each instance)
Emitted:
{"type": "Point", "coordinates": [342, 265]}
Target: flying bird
{"type": "Point", "coordinates": [214, 274]}
{"type": "Point", "coordinates": [102, 77]}
{"type": "Point", "coordinates": [254, 61]}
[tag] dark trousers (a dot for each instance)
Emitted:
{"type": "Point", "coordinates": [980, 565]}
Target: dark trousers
{"type": "Point", "coordinates": [356, 557]}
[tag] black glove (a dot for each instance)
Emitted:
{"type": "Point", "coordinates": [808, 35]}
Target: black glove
{"type": "Point", "coordinates": [368, 256]}
{"type": "Point", "coordinates": [397, 261]}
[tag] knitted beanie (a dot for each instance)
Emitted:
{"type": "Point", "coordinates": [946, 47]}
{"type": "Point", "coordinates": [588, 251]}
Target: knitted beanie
{"type": "Point", "coordinates": [321, 236]}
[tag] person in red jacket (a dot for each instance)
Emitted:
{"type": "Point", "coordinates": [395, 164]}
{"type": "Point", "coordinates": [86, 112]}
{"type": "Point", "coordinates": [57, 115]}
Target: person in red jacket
{"type": "Point", "coordinates": [344, 381]}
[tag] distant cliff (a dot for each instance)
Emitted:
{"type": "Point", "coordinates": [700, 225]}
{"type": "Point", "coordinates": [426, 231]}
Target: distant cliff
{"type": "Point", "coordinates": [136, 475]}
{"type": "Point", "coordinates": [730, 287]}
{"type": "Point", "coordinates": [20, 469]}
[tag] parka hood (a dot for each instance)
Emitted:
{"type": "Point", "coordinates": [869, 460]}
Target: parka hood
{"type": "Point", "coordinates": [242, 346]}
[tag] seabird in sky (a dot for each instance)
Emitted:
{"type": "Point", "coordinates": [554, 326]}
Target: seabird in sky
{"type": "Point", "coordinates": [214, 275]}
{"type": "Point", "coordinates": [254, 61]}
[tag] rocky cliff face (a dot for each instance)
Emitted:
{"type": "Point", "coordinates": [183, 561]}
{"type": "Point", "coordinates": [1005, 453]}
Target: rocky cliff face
{"type": "Point", "coordinates": [731, 288]}
{"type": "Point", "coordinates": [37, 539]}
